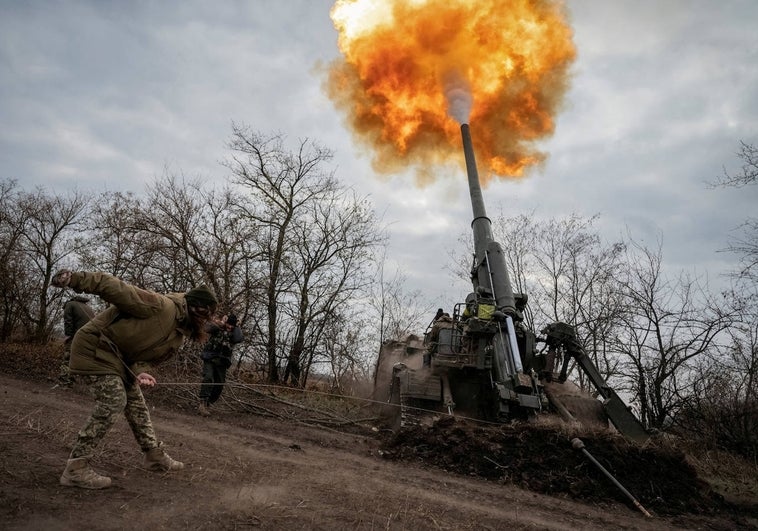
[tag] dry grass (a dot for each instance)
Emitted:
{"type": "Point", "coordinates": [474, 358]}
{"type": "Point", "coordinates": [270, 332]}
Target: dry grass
{"type": "Point", "coordinates": [34, 361]}
{"type": "Point", "coordinates": [35, 423]}
{"type": "Point", "coordinates": [735, 478]}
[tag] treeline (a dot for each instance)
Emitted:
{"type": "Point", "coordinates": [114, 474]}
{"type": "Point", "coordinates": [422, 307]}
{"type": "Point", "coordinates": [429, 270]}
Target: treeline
{"type": "Point", "coordinates": [685, 356]}
{"type": "Point", "coordinates": [300, 258]}
{"type": "Point", "coordinates": [285, 245]}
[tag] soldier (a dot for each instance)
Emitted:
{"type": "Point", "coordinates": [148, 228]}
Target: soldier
{"type": "Point", "coordinates": [115, 353]}
{"type": "Point", "coordinates": [76, 312]}
{"type": "Point", "coordinates": [441, 320]}
{"type": "Point", "coordinates": [217, 357]}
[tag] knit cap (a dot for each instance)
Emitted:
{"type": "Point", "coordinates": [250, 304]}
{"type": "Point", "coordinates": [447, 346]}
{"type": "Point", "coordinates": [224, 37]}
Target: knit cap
{"type": "Point", "coordinates": [201, 296]}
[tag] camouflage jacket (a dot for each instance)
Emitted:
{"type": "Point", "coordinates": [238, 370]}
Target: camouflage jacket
{"type": "Point", "coordinates": [220, 343]}
{"type": "Point", "coordinates": [138, 331]}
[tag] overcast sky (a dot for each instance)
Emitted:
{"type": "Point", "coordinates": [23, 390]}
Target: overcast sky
{"type": "Point", "coordinates": [104, 95]}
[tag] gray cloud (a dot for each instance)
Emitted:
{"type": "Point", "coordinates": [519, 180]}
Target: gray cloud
{"type": "Point", "coordinates": [106, 94]}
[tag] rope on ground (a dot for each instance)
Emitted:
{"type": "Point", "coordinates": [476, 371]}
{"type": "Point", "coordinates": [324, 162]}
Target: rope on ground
{"type": "Point", "coordinates": [366, 401]}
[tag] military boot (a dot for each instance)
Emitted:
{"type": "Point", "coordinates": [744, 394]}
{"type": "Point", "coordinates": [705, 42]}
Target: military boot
{"type": "Point", "coordinates": [157, 460]}
{"type": "Point", "coordinates": [202, 409]}
{"type": "Point", "coordinates": [79, 474]}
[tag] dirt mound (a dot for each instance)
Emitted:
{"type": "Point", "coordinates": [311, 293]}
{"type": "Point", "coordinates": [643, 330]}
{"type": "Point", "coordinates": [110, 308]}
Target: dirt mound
{"type": "Point", "coordinates": [543, 460]}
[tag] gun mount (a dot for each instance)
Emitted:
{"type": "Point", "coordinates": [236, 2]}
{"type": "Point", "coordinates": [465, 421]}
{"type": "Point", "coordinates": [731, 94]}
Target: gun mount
{"type": "Point", "coordinates": [482, 361]}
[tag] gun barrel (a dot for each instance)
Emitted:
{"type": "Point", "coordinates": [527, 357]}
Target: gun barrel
{"type": "Point", "coordinates": [490, 270]}
{"type": "Point", "coordinates": [481, 225]}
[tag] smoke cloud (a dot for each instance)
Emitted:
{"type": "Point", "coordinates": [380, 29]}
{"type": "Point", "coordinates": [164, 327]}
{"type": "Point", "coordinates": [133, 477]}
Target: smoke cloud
{"type": "Point", "coordinates": [458, 97]}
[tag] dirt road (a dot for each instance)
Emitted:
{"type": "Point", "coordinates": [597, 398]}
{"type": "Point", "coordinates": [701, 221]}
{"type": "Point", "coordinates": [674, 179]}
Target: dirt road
{"type": "Point", "coordinates": [248, 472]}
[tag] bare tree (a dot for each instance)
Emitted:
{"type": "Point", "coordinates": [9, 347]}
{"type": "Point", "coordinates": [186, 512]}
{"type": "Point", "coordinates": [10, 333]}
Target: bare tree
{"type": "Point", "coordinates": [745, 243]}
{"type": "Point", "coordinates": [193, 234]}
{"type": "Point", "coordinates": [197, 234]}
{"type": "Point", "coordinates": [119, 242]}
{"type": "Point", "coordinates": [570, 275]}
{"type": "Point", "coordinates": [333, 249]}
{"type": "Point", "coordinates": [396, 310]}
{"type": "Point", "coordinates": [15, 284]}
{"type": "Point", "coordinates": [349, 364]}
{"type": "Point", "coordinates": [395, 314]}
{"type": "Point", "coordinates": [669, 325]}
{"type": "Point", "coordinates": [519, 235]}
{"type": "Point", "coordinates": [281, 184]}
{"type": "Point", "coordinates": [593, 299]}
{"type": "Point", "coordinates": [175, 215]}
{"type": "Point", "coordinates": [741, 363]}
{"type": "Point", "coordinates": [50, 241]}
{"type": "Point", "coordinates": [748, 173]}
{"type": "Point", "coordinates": [723, 409]}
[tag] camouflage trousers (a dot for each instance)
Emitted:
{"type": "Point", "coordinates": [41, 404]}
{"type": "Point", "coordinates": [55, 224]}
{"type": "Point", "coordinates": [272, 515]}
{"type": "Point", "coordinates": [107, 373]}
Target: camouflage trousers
{"type": "Point", "coordinates": [64, 376]}
{"type": "Point", "coordinates": [113, 397]}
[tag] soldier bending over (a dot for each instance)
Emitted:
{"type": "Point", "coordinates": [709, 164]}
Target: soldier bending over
{"type": "Point", "coordinates": [115, 353]}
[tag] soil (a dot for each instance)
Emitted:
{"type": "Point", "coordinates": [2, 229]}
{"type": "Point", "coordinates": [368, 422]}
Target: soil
{"type": "Point", "coordinates": [248, 470]}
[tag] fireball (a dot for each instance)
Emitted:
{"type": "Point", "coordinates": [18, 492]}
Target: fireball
{"type": "Point", "coordinates": [412, 70]}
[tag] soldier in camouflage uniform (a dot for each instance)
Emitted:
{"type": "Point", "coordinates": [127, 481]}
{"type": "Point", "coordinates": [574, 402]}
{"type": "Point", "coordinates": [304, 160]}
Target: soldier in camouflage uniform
{"type": "Point", "coordinates": [76, 313]}
{"type": "Point", "coordinates": [115, 353]}
{"type": "Point", "coordinates": [217, 357]}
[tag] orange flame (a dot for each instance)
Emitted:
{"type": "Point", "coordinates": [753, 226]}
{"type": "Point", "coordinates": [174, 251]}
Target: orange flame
{"type": "Point", "coordinates": [408, 65]}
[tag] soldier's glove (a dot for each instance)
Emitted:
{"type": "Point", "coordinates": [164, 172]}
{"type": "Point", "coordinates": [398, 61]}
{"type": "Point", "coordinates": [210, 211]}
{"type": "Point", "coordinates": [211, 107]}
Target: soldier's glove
{"type": "Point", "coordinates": [61, 278]}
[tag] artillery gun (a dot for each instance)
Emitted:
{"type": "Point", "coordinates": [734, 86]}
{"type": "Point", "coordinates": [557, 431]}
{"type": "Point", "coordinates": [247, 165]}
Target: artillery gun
{"type": "Point", "coordinates": [483, 361]}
